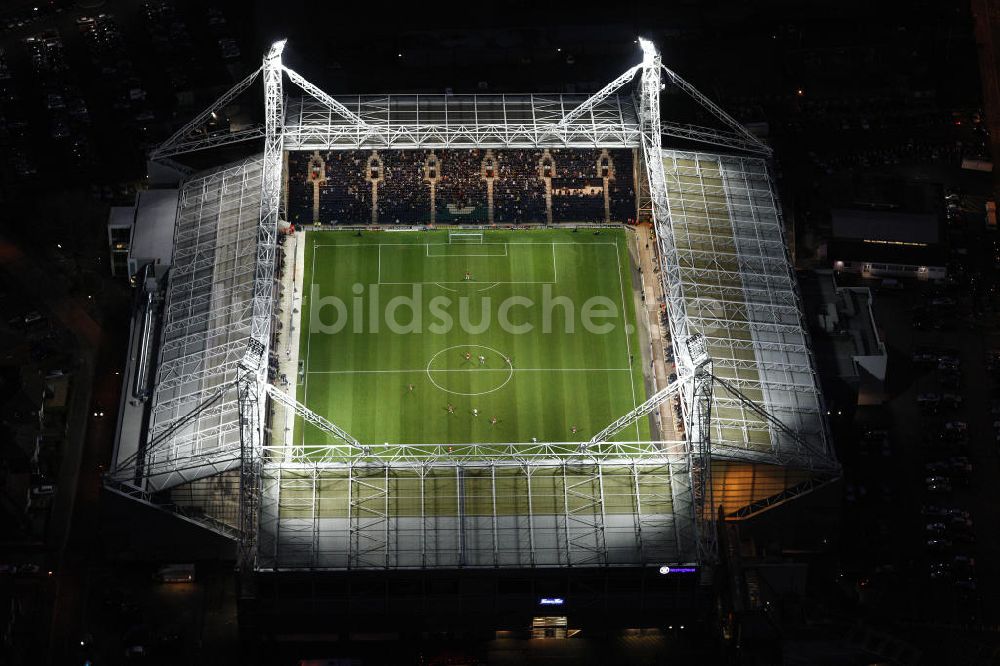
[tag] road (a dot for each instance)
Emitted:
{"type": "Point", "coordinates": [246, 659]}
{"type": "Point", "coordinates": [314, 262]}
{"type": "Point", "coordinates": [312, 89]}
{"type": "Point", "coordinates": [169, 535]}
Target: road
{"type": "Point", "coordinates": [75, 517]}
{"type": "Point", "coordinates": [986, 19]}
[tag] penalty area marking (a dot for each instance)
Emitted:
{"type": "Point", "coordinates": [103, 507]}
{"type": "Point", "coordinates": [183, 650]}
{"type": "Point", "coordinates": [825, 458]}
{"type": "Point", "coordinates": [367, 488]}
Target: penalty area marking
{"type": "Point", "coordinates": [442, 283]}
{"type": "Point", "coordinates": [428, 247]}
{"type": "Point", "coordinates": [316, 246]}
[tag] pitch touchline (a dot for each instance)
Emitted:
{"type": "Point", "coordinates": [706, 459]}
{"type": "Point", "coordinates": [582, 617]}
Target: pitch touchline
{"type": "Point", "coordinates": [363, 372]}
{"type": "Point", "coordinates": [478, 255]}
{"type": "Point", "coordinates": [628, 344]}
{"type": "Point", "coordinates": [439, 283]}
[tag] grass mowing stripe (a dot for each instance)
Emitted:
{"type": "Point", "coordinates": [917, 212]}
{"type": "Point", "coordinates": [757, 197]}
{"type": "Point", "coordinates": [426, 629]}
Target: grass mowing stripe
{"type": "Point", "coordinates": [352, 385]}
{"type": "Point", "coordinates": [628, 347]}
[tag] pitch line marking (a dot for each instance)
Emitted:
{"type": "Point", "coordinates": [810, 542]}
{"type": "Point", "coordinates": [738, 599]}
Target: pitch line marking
{"type": "Point", "coordinates": [628, 344]}
{"type": "Point", "coordinates": [552, 243]}
{"type": "Point", "coordinates": [509, 369]}
{"type": "Point", "coordinates": [472, 282]}
{"type": "Point", "coordinates": [312, 281]}
{"type": "Point", "coordinates": [468, 282]}
{"type": "Point", "coordinates": [555, 271]}
{"type": "Point", "coordinates": [404, 370]}
{"type": "Point", "coordinates": [478, 255]}
{"type": "Point", "coordinates": [428, 246]}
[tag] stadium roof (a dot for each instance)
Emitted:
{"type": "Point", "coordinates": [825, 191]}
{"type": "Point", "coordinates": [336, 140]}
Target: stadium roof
{"type": "Point", "coordinates": [460, 121]}
{"type": "Point", "coordinates": [733, 283]}
{"type": "Point", "coordinates": [205, 329]}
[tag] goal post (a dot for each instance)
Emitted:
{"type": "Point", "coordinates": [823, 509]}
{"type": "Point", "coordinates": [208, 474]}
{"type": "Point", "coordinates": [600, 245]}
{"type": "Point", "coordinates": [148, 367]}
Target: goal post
{"type": "Point", "coordinates": [466, 237]}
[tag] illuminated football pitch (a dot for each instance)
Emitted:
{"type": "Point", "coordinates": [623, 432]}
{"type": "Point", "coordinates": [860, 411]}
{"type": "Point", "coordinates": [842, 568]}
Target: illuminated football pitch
{"type": "Point", "coordinates": [438, 337]}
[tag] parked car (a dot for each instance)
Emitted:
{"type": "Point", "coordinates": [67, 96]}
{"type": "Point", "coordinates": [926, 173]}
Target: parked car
{"type": "Point", "coordinates": [937, 529]}
{"type": "Point", "coordinates": [963, 562]}
{"type": "Point", "coordinates": [938, 484]}
{"type": "Point", "coordinates": [940, 572]}
{"type": "Point", "coordinates": [929, 401]}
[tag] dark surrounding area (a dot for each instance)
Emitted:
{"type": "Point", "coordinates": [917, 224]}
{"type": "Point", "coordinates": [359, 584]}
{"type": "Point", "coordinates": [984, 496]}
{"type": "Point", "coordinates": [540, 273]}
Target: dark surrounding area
{"type": "Point", "coordinates": [868, 105]}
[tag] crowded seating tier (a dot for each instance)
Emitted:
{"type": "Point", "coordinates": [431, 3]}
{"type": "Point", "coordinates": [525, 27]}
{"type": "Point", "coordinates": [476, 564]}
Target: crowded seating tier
{"type": "Point", "coordinates": [403, 186]}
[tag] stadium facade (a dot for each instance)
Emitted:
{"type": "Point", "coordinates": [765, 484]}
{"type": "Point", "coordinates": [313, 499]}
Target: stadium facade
{"type": "Point", "coordinates": [202, 431]}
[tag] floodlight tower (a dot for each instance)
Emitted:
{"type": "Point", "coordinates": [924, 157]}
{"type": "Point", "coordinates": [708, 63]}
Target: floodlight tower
{"type": "Point", "coordinates": [699, 437]}
{"type": "Point", "coordinates": [693, 359]}
{"type": "Point", "coordinates": [650, 130]}
{"type": "Point", "coordinates": [251, 407]}
{"type": "Point", "coordinates": [253, 367]}
{"type": "Point", "coordinates": [263, 296]}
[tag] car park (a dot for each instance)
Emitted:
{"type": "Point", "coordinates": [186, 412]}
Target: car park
{"type": "Point", "coordinates": [951, 400]}
{"type": "Point", "coordinates": [934, 511]}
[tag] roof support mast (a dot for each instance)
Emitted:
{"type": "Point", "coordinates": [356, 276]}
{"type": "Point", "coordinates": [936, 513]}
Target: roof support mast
{"type": "Point", "coordinates": [274, 116]}
{"type": "Point", "coordinates": [253, 368]}
{"type": "Point", "coordinates": [692, 358]}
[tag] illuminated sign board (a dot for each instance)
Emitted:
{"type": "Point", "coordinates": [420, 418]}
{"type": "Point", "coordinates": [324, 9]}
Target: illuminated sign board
{"type": "Point", "coordinates": [551, 601]}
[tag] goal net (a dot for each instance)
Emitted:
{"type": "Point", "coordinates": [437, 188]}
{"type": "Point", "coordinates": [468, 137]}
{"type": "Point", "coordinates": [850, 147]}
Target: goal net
{"type": "Point", "coordinates": [465, 237]}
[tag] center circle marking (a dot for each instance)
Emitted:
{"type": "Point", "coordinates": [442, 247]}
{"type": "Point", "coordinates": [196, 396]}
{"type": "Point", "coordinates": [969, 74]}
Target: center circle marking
{"type": "Point", "coordinates": [430, 371]}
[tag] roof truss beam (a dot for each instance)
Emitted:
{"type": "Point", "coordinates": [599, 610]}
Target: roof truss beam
{"type": "Point", "coordinates": [598, 97]}
{"type": "Point", "coordinates": [739, 130]}
{"type": "Point", "coordinates": [186, 133]}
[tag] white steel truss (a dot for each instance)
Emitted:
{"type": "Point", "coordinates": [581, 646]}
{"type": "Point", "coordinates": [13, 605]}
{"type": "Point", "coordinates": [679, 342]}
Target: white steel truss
{"type": "Point", "coordinates": [207, 316]}
{"type": "Point", "coordinates": [740, 134]}
{"type": "Point", "coordinates": [251, 401]}
{"type": "Point", "coordinates": [270, 197]}
{"type": "Point", "coordinates": [193, 137]}
{"type": "Point", "coordinates": [332, 104]}
{"type": "Point", "coordinates": [599, 96]}
{"type": "Point", "coordinates": [461, 121]}
{"type": "Point", "coordinates": [562, 513]}
{"type": "Point", "coordinates": [645, 408]}
{"type": "Point", "coordinates": [310, 416]}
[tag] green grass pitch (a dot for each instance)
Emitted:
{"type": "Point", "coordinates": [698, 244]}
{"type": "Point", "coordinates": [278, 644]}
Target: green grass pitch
{"type": "Point", "coordinates": [395, 384]}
